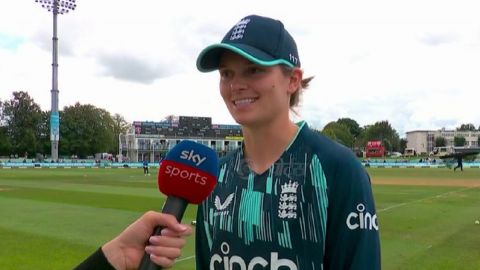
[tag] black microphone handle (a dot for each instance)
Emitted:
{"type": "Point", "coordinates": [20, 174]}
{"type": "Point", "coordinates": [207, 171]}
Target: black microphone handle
{"type": "Point", "coordinates": [174, 206]}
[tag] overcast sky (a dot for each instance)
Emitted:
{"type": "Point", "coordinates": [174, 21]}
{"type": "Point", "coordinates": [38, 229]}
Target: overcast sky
{"type": "Point", "coordinates": [413, 63]}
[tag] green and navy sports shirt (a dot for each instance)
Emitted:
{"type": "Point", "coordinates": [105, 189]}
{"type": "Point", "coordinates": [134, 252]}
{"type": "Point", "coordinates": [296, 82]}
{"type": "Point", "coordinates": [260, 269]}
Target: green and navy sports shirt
{"type": "Point", "coordinates": [312, 209]}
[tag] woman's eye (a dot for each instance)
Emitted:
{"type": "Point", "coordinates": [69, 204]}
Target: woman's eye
{"type": "Point", "coordinates": [254, 70]}
{"type": "Point", "coordinates": [225, 74]}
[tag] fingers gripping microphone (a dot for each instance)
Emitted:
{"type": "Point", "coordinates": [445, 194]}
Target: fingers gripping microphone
{"type": "Point", "coordinates": [188, 174]}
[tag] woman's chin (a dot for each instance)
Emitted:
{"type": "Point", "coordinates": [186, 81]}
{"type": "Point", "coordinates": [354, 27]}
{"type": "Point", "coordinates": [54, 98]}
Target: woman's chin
{"type": "Point", "coordinates": [243, 120]}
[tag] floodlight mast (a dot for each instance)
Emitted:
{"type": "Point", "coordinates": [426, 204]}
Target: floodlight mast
{"type": "Point", "coordinates": [56, 7]}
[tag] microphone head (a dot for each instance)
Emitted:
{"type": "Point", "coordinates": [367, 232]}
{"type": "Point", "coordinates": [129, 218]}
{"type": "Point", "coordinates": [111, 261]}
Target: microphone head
{"type": "Point", "coordinates": [189, 171]}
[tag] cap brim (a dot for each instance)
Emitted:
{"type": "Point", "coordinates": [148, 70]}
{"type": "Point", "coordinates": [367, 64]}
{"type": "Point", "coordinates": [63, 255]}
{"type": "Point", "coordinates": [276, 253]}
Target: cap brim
{"type": "Point", "coordinates": [209, 58]}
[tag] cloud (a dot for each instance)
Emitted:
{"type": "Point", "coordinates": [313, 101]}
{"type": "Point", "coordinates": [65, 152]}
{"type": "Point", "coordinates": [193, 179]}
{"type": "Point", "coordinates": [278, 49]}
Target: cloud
{"type": "Point", "coordinates": [444, 123]}
{"type": "Point", "coordinates": [437, 39]}
{"type": "Point", "coordinates": [131, 68]}
{"type": "Point", "coordinates": [10, 42]}
{"type": "Point", "coordinates": [43, 40]}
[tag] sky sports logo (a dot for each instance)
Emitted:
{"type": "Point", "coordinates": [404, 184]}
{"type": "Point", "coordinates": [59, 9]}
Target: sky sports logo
{"type": "Point", "coordinates": [191, 156]}
{"type": "Point", "coordinates": [362, 220]}
{"type": "Point", "coordinates": [187, 173]}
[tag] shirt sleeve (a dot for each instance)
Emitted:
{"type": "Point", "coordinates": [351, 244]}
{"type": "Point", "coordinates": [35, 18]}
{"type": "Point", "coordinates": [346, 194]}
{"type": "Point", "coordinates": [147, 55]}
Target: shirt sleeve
{"type": "Point", "coordinates": [352, 240]}
{"type": "Point", "coordinates": [96, 261]}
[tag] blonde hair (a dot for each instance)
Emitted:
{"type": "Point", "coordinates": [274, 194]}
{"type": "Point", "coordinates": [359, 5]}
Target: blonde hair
{"type": "Point", "coordinates": [295, 97]}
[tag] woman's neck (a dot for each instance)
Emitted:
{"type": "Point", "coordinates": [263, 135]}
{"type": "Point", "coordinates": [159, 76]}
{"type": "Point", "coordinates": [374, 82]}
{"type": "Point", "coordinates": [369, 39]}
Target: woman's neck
{"type": "Point", "coordinates": [264, 145]}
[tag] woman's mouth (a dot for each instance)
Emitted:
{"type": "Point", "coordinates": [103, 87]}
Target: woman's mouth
{"type": "Point", "coordinates": [244, 101]}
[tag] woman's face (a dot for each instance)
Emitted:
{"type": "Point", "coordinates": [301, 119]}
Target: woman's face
{"type": "Point", "coordinates": [254, 94]}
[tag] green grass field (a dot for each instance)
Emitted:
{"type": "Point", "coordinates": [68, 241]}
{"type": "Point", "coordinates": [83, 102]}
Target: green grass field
{"type": "Point", "coordinates": [54, 218]}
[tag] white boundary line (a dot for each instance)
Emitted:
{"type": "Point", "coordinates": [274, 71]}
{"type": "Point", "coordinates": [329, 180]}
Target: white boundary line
{"type": "Point", "coordinates": [423, 199]}
{"type": "Point", "coordinates": [186, 258]}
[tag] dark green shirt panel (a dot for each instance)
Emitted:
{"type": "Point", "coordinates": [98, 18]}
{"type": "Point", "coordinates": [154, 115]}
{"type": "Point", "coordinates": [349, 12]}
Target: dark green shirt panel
{"type": "Point", "coordinates": [352, 229]}
{"type": "Point", "coordinates": [352, 240]}
{"type": "Point", "coordinates": [348, 186]}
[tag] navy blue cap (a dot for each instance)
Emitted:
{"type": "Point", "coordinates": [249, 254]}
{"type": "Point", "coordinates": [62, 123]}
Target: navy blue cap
{"type": "Point", "coordinates": [261, 40]}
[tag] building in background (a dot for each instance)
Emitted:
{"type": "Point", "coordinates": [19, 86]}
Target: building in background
{"type": "Point", "coordinates": [152, 140]}
{"type": "Point", "coordinates": [423, 141]}
{"type": "Point", "coordinates": [374, 149]}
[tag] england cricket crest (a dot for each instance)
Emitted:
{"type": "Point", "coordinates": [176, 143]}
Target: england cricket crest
{"type": "Point", "coordinates": [287, 204]}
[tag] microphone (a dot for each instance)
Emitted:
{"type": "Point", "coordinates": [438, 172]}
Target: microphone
{"type": "Point", "coordinates": [188, 174]}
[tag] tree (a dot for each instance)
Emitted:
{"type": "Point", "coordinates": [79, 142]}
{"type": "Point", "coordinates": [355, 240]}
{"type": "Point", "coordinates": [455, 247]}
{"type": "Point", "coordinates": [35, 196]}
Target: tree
{"type": "Point", "coordinates": [352, 126]}
{"type": "Point", "coordinates": [403, 145]}
{"type": "Point", "coordinates": [383, 131]}
{"type": "Point", "coordinates": [44, 144]}
{"type": "Point", "coordinates": [329, 133]}
{"type": "Point", "coordinates": [361, 140]}
{"type": "Point", "coordinates": [2, 117]}
{"type": "Point", "coordinates": [85, 130]}
{"type": "Point", "coordinates": [440, 141]}
{"type": "Point", "coordinates": [23, 119]}
{"type": "Point", "coordinates": [459, 141]}
{"type": "Point", "coordinates": [5, 146]}
{"type": "Point", "coordinates": [339, 133]}
{"type": "Point", "coordinates": [119, 126]}
{"type": "Point", "coordinates": [466, 127]}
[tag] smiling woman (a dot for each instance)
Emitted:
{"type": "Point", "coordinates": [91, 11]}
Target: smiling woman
{"type": "Point", "coordinates": [275, 210]}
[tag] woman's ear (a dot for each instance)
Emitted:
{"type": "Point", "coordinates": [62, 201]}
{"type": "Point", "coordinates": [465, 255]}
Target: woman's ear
{"type": "Point", "coordinates": [295, 80]}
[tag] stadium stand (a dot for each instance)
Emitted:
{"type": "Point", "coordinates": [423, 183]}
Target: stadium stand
{"type": "Point", "coordinates": [150, 141]}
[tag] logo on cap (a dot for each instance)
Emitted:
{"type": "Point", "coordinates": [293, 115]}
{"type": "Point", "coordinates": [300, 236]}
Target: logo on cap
{"type": "Point", "coordinates": [239, 29]}
{"type": "Point", "coordinates": [293, 58]}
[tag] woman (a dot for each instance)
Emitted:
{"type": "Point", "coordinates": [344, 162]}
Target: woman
{"type": "Point", "coordinates": [288, 197]}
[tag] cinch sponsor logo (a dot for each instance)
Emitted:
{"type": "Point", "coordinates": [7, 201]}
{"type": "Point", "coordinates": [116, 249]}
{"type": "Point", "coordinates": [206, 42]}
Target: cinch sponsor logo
{"type": "Point", "coordinates": [238, 263]}
{"type": "Point", "coordinates": [362, 220]}
{"type": "Point", "coordinates": [191, 156]}
{"type": "Point", "coordinates": [173, 171]}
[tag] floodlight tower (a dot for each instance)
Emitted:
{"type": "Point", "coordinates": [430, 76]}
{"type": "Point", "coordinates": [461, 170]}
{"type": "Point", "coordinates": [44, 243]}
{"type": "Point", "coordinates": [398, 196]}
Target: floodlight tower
{"type": "Point", "coordinates": [56, 7]}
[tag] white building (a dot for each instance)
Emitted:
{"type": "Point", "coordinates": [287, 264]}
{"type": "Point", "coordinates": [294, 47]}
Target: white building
{"type": "Point", "coordinates": [152, 140]}
{"type": "Point", "coordinates": [423, 141]}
